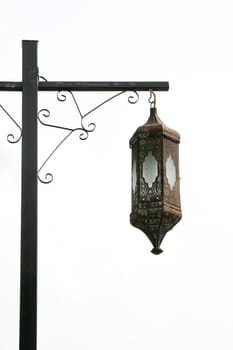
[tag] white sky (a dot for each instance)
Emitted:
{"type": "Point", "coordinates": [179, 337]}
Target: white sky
{"type": "Point", "coordinates": [99, 285]}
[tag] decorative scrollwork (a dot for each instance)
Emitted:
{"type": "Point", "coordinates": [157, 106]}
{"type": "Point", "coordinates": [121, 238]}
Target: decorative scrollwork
{"type": "Point", "coordinates": [42, 78]}
{"type": "Point", "coordinates": [61, 97]}
{"type": "Point", "coordinates": [48, 178]}
{"type": "Point", "coordinates": [45, 113]}
{"type": "Point", "coordinates": [133, 98]}
{"type": "Point", "coordinates": [11, 137]}
{"type": "Point", "coordinates": [84, 130]}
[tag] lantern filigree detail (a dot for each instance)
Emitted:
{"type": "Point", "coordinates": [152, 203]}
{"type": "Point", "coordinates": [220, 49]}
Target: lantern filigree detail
{"type": "Point", "coordinates": [155, 179]}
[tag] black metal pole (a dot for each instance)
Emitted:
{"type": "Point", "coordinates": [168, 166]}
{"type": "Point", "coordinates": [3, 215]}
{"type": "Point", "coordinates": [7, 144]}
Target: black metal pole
{"type": "Point", "coordinates": [28, 276]}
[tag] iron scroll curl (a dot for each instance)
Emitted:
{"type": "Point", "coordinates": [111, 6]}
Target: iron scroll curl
{"type": "Point", "coordinates": [11, 137]}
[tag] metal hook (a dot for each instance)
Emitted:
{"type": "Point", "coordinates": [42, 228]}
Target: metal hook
{"type": "Point", "coordinates": [42, 78]}
{"type": "Point", "coordinates": [152, 99]}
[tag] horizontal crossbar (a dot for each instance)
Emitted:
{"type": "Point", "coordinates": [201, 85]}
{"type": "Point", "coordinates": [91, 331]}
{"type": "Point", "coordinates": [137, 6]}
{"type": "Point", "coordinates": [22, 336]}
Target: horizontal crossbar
{"type": "Point", "coordinates": [90, 85]}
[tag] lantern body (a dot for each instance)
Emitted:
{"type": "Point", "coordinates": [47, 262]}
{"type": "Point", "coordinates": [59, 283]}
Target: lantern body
{"type": "Point", "coordinates": [155, 179]}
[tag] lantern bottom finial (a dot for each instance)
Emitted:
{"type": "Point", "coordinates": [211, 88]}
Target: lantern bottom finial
{"type": "Point", "coordinates": [156, 251]}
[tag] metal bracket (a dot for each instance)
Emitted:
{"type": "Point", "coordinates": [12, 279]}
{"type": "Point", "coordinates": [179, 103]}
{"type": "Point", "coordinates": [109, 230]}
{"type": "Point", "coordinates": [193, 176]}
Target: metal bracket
{"type": "Point", "coordinates": [84, 130]}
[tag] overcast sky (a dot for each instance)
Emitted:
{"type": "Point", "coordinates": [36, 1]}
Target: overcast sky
{"type": "Point", "coordinates": [99, 285]}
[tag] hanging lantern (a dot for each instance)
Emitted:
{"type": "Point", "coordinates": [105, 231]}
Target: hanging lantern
{"type": "Point", "coordinates": [155, 179]}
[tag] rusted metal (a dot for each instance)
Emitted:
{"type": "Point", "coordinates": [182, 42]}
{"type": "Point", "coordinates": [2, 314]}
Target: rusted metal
{"type": "Point", "coordinates": [155, 209]}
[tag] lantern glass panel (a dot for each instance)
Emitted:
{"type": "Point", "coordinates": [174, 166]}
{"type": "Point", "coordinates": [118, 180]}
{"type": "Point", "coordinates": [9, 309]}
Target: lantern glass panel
{"type": "Point", "coordinates": [171, 171]}
{"type": "Point", "coordinates": [150, 169]}
{"type": "Point", "coordinates": [134, 175]}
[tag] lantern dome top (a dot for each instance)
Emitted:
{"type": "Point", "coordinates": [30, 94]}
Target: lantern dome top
{"type": "Point", "coordinates": [155, 125]}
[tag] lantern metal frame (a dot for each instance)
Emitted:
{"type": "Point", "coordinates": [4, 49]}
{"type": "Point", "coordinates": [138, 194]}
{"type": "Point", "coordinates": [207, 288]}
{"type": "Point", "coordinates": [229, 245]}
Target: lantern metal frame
{"type": "Point", "coordinates": [30, 86]}
{"type": "Point", "coordinates": [156, 207]}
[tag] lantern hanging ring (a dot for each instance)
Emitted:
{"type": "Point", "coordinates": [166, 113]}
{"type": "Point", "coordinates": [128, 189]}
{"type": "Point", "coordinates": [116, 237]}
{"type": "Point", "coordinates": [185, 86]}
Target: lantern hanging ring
{"type": "Point", "coordinates": [152, 99]}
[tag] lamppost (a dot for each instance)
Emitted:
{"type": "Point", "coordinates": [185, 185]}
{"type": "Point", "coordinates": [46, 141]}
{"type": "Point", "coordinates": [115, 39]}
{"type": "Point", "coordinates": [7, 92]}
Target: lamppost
{"type": "Point", "coordinates": [155, 205]}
